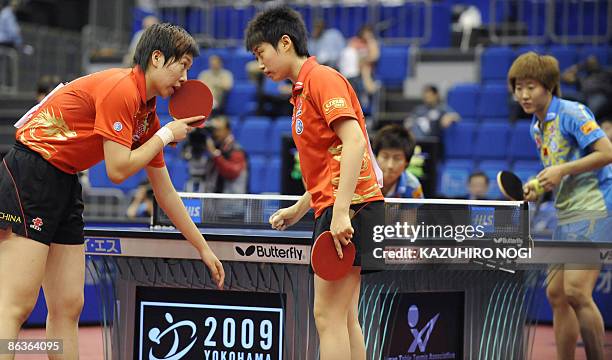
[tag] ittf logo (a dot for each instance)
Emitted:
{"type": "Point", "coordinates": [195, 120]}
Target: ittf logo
{"type": "Point", "coordinates": [413, 319]}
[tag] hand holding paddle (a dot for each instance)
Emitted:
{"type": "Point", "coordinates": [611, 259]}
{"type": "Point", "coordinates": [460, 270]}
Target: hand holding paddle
{"type": "Point", "coordinates": [512, 187]}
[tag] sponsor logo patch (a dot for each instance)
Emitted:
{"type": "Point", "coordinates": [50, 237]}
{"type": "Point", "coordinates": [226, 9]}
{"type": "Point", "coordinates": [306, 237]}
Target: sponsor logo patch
{"type": "Point", "coordinates": [588, 127]}
{"type": "Point", "coordinates": [335, 103]}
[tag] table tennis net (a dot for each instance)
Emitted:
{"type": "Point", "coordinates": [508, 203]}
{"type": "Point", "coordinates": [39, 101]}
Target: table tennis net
{"type": "Point", "coordinates": [429, 219]}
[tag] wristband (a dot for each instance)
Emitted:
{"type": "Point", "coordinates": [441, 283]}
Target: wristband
{"type": "Point", "coordinates": [165, 135]}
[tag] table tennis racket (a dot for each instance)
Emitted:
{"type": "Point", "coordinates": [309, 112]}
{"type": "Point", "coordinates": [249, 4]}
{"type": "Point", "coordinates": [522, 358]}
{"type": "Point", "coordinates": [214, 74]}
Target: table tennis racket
{"type": "Point", "coordinates": [325, 261]}
{"type": "Point", "coordinates": [510, 185]}
{"type": "Point", "coordinates": [193, 98]}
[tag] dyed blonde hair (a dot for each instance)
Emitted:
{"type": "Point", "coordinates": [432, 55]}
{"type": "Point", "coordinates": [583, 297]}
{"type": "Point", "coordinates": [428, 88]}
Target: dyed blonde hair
{"type": "Point", "coordinates": [542, 68]}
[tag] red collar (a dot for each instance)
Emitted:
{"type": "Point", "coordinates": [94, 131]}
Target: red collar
{"type": "Point", "coordinates": [307, 67]}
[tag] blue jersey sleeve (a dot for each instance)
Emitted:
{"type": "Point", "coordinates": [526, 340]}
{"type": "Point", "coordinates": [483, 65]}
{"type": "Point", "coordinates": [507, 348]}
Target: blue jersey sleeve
{"type": "Point", "coordinates": [579, 122]}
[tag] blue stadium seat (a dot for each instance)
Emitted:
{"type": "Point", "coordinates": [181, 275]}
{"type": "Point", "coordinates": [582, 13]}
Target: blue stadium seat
{"type": "Point", "coordinates": [454, 175]}
{"type": "Point", "coordinates": [491, 168]}
{"type": "Point", "coordinates": [526, 170]}
{"type": "Point", "coordinates": [236, 125]}
{"type": "Point", "coordinates": [273, 183]}
{"type": "Point", "coordinates": [459, 140]}
{"type": "Point", "coordinates": [161, 106]}
{"type": "Point", "coordinates": [522, 146]}
{"type": "Point", "coordinates": [179, 173]}
{"type": "Point", "coordinates": [241, 99]}
{"type": "Point", "coordinates": [495, 63]}
{"type": "Point", "coordinates": [491, 141]}
{"type": "Point", "coordinates": [392, 67]}
{"type": "Point", "coordinates": [99, 178]}
{"type": "Point", "coordinates": [237, 64]}
{"type": "Point", "coordinates": [567, 55]}
{"type": "Point", "coordinates": [281, 126]}
{"type": "Point", "coordinates": [463, 98]}
{"type": "Point", "coordinates": [255, 135]}
{"type": "Point", "coordinates": [493, 102]}
{"type": "Point", "coordinates": [257, 174]}
{"type": "Point", "coordinates": [526, 48]}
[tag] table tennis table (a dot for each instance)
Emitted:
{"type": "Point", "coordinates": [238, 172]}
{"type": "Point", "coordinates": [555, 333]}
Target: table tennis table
{"type": "Point", "coordinates": [150, 280]}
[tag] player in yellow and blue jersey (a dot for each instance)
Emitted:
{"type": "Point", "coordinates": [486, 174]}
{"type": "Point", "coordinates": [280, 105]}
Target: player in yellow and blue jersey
{"type": "Point", "coordinates": [576, 155]}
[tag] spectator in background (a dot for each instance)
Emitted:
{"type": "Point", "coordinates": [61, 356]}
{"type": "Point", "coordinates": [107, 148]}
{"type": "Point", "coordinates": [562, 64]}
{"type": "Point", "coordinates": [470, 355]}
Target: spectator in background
{"type": "Point", "coordinates": [326, 44]}
{"type": "Point", "coordinates": [432, 116]}
{"type": "Point", "coordinates": [357, 62]}
{"type": "Point", "coordinates": [217, 163]}
{"type": "Point", "coordinates": [147, 22]}
{"type": "Point", "coordinates": [594, 84]}
{"type": "Point", "coordinates": [478, 186]}
{"type": "Point", "coordinates": [10, 32]}
{"type": "Point", "coordinates": [219, 80]}
{"type": "Point", "coordinates": [606, 126]}
{"type": "Point", "coordinates": [272, 97]}
{"type": "Point", "coordinates": [394, 147]}
{"type": "Point", "coordinates": [142, 201]}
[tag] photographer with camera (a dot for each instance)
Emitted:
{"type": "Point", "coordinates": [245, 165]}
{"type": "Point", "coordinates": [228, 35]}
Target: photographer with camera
{"type": "Point", "coordinates": [217, 163]}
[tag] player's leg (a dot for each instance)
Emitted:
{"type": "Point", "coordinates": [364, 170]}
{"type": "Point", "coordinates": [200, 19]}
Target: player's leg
{"type": "Point", "coordinates": [578, 286]}
{"type": "Point", "coordinates": [64, 280]}
{"type": "Point", "coordinates": [358, 351]}
{"type": "Point", "coordinates": [332, 300]}
{"type": "Point", "coordinates": [565, 322]}
{"type": "Point", "coordinates": [22, 265]}
{"type": "Point", "coordinates": [63, 286]}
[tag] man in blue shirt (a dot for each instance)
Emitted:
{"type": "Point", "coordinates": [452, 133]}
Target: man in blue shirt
{"type": "Point", "coordinates": [576, 155]}
{"type": "Point", "coordinates": [10, 33]}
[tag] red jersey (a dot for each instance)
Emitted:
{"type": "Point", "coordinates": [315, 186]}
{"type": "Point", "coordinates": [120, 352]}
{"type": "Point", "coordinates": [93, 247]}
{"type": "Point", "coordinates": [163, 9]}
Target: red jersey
{"type": "Point", "coordinates": [68, 128]}
{"type": "Point", "coordinates": [321, 96]}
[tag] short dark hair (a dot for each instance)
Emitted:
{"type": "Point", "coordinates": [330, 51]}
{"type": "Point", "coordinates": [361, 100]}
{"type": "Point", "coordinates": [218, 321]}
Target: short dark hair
{"type": "Point", "coordinates": [172, 40]}
{"type": "Point", "coordinates": [394, 137]}
{"type": "Point", "coordinates": [432, 88]}
{"type": "Point", "coordinates": [270, 25]}
{"type": "Point", "coordinates": [479, 174]}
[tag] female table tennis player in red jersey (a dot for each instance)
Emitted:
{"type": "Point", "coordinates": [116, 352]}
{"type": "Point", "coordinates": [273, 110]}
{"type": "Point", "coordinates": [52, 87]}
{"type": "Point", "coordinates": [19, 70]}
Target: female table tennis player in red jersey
{"type": "Point", "coordinates": [337, 164]}
{"type": "Point", "coordinates": [109, 116]}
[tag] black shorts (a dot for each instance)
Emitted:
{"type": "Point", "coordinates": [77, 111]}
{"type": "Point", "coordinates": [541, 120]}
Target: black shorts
{"type": "Point", "coordinates": [39, 201]}
{"type": "Point", "coordinates": [371, 214]}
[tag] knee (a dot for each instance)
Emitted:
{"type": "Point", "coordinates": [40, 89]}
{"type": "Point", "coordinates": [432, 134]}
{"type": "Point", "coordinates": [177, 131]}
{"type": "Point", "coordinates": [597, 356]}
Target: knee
{"type": "Point", "coordinates": [18, 312]}
{"type": "Point", "coordinates": [556, 296]}
{"type": "Point", "coordinates": [67, 307]}
{"type": "Point", "coordinates": [577, 297]}
{"type": "Point", "coordinates": [327, 317]}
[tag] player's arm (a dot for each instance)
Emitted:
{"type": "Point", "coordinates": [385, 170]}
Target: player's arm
{"type": "Point", "coordinates": [122, 162]}
{"type": "Point", "coordinates": [353, 148]}
{"type": "Point", "coordinates": [303, 205]}
{"type": "Point", "coordinates": [598, 158]}
{"type": "Point", "coordinates": [587, 133]}
{"type": "Point", "coordinates": [170, 202]}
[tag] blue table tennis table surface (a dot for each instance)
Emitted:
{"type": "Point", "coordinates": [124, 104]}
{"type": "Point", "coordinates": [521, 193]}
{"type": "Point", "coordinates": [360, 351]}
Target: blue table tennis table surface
{"type": "Point", "coordinates": [233, 234]}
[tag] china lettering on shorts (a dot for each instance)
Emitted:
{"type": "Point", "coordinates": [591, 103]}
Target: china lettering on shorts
{"type": "Point", "coordinates": [10, 218]}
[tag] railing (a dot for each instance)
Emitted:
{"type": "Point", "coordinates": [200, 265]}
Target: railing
{"type": "Point", "coordinates": [540, 21]}
{"type": "Point", "coordinates": [9, 70]}
{"type": "Point", "coordinates": [222, 23]}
